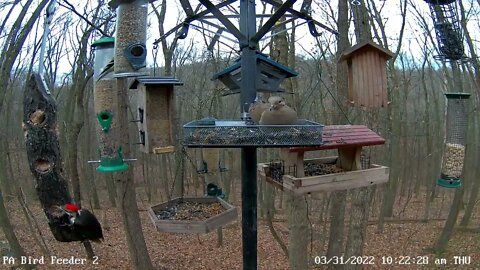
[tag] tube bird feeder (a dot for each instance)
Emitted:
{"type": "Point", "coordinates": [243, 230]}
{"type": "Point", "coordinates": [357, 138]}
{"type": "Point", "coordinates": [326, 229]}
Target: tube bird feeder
{"type": "Point", "coordinates": [130, 49]}
{"type": "Point", "coordinates": [105, 100]}
{"type": "Point", "coordinates": [447, 29]}
{"type": "Point", "coordinates": [456, 138]}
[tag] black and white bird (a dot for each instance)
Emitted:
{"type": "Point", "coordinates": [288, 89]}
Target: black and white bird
{"type": "Point", "coordinates": [84, 224]}
{"type": "Point", "coordinates": [278, 113]}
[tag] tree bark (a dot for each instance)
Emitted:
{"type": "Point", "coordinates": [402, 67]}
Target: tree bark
{"type": "Point", "coordinates": [126, 190]}
{"type": "Point", "coordinates": [339, 198]}
{"type": "Point", "coordinates": [44, 158]}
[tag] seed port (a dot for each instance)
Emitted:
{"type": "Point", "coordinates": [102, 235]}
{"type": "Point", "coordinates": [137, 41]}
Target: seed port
{"type": "Point", "coordinates": [137, 51]}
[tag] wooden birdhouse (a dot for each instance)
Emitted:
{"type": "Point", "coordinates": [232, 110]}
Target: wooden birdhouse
{"type": "Point", "coordinates": [367, 75]}
{"type": "Point", "coordinates": [270, 74]}
{"type": "Point", "coordinates": [155, 110]}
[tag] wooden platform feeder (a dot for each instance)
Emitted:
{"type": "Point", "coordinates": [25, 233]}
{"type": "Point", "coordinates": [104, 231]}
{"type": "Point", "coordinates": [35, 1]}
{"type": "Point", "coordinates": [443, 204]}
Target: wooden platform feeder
{"type": "Point", "coordinates": [168, 218]}
{"type": "Point", "coordinates": [367, 75]}
{"type": "Point", "coordinates": [156, 108]}
{"type": "Point", "coordinates": [270, 74]}
{"type": "Point", "coordinates": [349, 140]}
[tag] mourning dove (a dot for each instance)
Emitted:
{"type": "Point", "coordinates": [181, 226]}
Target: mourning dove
{"type": "Point", "coordinates": [278, 113]}
{"type": "Point", "coordinates": [256, 109]}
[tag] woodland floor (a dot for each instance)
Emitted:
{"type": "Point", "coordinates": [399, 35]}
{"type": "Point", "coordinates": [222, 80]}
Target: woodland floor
{"type": "Point", "coordinates": [407, 237]}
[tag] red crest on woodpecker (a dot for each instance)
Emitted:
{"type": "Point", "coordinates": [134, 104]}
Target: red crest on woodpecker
{"type": "Point", "coordinates": [71, 208]}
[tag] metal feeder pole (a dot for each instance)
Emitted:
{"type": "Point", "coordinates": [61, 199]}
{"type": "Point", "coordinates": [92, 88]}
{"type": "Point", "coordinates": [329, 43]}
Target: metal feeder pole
{"type": "Point", "coordinates": [249, 154]}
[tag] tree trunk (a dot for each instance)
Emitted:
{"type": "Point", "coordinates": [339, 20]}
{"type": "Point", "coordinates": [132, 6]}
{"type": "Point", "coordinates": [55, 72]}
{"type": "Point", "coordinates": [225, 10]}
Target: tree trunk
{"type": "Point", "coordinates": [43, 152]}
{"type": "Point", "coordinates": [4, 220]}
{"type": "Point", "coordinates": [299, 233]}
{"type": "Point", "coordinates": [126, 190]}
{"type": "Point", "coordinates": [339, 198]}
{"type": "Point", "coordinates": [442, 242]}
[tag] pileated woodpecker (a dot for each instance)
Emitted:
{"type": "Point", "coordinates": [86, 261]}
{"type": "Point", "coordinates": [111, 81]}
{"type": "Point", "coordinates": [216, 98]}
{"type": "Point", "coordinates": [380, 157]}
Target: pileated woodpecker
{"type": "Point", "coordinates": [84, 224]}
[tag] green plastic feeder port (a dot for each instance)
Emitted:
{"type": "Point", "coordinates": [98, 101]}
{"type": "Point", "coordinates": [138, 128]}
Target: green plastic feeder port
{"type": "Point", "coordinates": [108, 165]}
{"type": "Point", "coordinates": [105, 120]}
{"type": "Point", "coordinates": [214, 191]}
{"type": "Point", "coordinates": [449, 183]}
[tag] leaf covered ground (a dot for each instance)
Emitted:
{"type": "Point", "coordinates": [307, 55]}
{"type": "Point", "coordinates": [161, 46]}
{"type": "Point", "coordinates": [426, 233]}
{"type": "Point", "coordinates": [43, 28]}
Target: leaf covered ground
{"type": "Point", "coordinates": [405, 242]}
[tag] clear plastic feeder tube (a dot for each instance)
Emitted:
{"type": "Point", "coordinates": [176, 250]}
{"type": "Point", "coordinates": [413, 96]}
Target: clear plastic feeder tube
{"type": "Point", "coordinates": [130, 49]}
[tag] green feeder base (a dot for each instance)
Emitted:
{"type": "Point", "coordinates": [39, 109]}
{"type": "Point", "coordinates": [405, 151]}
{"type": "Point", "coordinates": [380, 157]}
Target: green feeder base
{"type": "Point", "coordinates": [449, 183]}
{"type": "Point", "coordinates": [112, 168]}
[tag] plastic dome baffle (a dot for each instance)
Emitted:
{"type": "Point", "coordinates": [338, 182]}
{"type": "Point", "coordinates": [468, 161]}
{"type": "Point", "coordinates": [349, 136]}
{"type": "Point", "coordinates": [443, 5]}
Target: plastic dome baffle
{"type": "Point", "coordinates": [456, 138]}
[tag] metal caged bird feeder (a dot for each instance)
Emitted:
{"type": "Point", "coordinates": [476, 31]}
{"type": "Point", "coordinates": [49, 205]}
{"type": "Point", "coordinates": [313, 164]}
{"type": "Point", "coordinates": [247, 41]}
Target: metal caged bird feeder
{"type": "Point", "coordinates": [456, 137]}
{"type": "Point", "coordinates": [235, 133]}
{"type": "Point", "coordinates": [447, 29]}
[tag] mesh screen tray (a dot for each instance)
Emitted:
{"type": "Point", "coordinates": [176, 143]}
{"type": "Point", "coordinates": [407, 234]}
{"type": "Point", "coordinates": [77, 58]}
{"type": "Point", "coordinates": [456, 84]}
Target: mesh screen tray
{"type": "Point", "coordinates": [235, 133]}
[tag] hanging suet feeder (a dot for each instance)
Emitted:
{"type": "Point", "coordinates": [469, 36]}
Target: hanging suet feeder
{"type": "Point", "coordinates": [447, 29]}
{"type": "Point", "coordinates": [156, 109]}
{"type": "Point", "coordinates": [456, 138]}
{"type": "Point", "coordinates": [269, 76]}
{"type": "Point", "coordinates": [367, 74]}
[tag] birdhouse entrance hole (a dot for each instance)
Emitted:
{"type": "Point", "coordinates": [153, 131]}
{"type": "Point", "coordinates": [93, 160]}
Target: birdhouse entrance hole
{"type": "Point", "coordinates": [38, 117]}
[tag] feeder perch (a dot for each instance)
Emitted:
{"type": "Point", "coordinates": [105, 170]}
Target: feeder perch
{"type": "Point", "coordinates": [115, 164]}
{"type": "Point", "coordinates": [192, 215]}
{"type": "Point", "coordinates": [456, 138]}
{"type": "Point", "coordinates": [270, 74]}
{"type": "Point", "coordinates": [367, 75]}
{"type": "Point", "coordinates": [156, 108]}
{"type": "Point", "coordinates": [237, 134]}
{"type": "Point", "coordinates": [300, 176]}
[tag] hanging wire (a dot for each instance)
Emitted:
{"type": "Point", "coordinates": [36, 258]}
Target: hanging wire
{"type": "Point", "coordinates": [155, 54]}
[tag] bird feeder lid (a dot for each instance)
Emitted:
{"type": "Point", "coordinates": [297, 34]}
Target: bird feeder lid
{"type": "Point", "coordinates": [457, 95]}
{"type": "Point", "coordinates": [149, 80]}
{"type": "Point", "coordinates": [439, 2]}
{"type": "Point", "coordinates": [261, 58]}
{"type": "Point", "coordinates": [361, 47]}
{"type": "Point", "coordinates": [104, 41]}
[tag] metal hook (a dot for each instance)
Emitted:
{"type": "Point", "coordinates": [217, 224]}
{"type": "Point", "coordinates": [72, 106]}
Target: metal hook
{"type": "Point", "coordinates": [355, 2]}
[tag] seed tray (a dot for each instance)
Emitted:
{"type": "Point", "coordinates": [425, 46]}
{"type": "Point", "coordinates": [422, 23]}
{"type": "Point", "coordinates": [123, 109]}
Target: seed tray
{"type": "Point", "coordinates": [235, 133]}
{"type": "Point", "coordinates": [192, 215]}
{"type": "Point", "coordinates": [324, 176]}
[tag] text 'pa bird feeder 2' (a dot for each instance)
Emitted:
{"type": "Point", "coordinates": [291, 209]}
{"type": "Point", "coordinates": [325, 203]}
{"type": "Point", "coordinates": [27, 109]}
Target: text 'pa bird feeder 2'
{"type": "Point", "coordinates": [268, 78]}
{"type": "Point", "coordinates": [105, 100]}
{"type": "Point", "coordinates": [156, 109]}
{"type": "Point", "coordinates": [192, 215]}
{"type": "Point", "coordinates": [367, 75]}
{"type": "Point", "coordinates": [456, 138]}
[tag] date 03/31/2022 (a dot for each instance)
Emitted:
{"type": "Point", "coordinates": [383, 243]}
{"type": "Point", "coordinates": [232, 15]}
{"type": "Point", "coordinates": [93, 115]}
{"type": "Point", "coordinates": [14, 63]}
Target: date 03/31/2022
{"type": "Point", "coordinates": [391, 260]}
